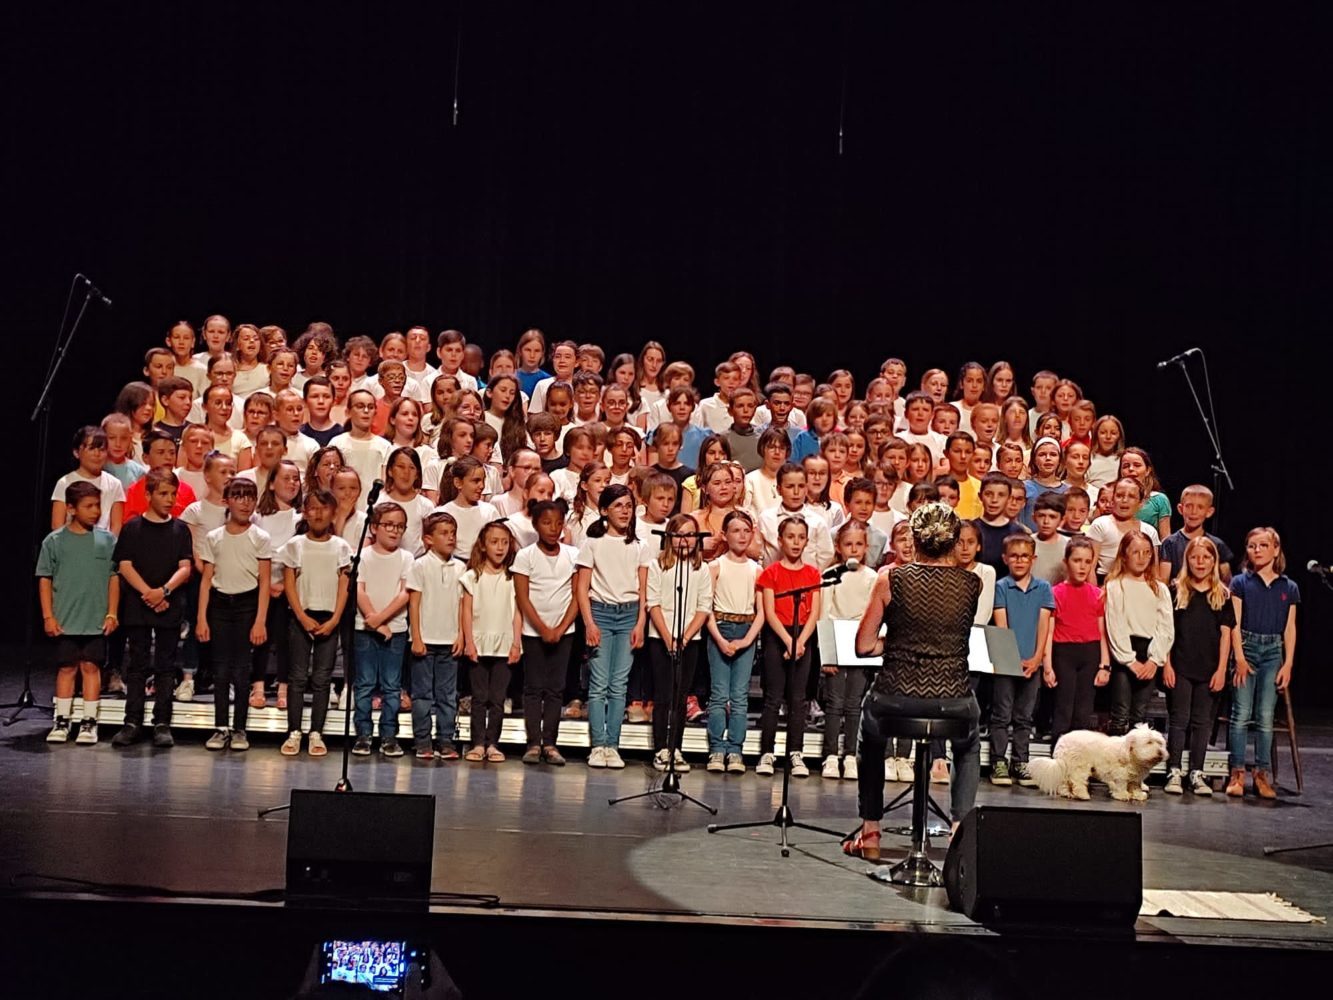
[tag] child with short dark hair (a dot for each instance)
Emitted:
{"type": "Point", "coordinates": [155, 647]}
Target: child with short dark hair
{"type": "Point", "coordinates": [994, 525]}
{"type": "Point", "coordinates": [1047, 513]}
{"type": "Point", "coordinates": [80, 598]}
{"type": "Point", "coordinates": [435, 596]}
{"type": "Point", "coordinates": [177, 397]}
{"type": "Point", "coordinates": [153, 557]}
{"type": "Point", "coordinates": [1023, 604]}
{"type": "Point", "coordinates": [381, 628]}
{"type": "Point", "coordinates": [741, 435]}
{"type": "Point", "coordinates": [90, 450]}
{"type": "Point", "coordinates": [1077, 508]}
{"type": "Point", "coordinates": [233, 608]}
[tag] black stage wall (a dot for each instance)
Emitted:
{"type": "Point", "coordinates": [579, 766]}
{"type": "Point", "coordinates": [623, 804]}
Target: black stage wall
{"type": "Point", "coordinates": [1088, 189]}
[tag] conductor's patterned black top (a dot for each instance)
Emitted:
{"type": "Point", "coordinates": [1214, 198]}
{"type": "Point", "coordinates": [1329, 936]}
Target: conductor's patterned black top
{"type": "Point", "coordinates": [929, 621]}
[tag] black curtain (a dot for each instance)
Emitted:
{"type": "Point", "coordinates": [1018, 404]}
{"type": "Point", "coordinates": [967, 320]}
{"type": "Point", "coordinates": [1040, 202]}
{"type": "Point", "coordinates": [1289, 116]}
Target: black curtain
{"type": "Point", "coordinates": [1091, 190]}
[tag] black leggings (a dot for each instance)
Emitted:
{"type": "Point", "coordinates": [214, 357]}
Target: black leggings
{"type": "Point", "coordinates": [311, 670]}
{"type": "Point", "coordinates": [277, 645]}
{"type": "Point", "coordinates": [783, 681]}
{"type": "Point", "coordinates": [230, 617]}
{"type": "Point", "coordinates": [1075, 665]}
{"type": "Point", "coordinates": [661, 660]}
{"type": "Point", "coordinates": [544, 667]}
{"type": "Point", "coordinates": [1129, 699]}
{"type": "Point", "coordinates": [1189, 705]}
{"type": "Point", "coordinates": [490, 681]}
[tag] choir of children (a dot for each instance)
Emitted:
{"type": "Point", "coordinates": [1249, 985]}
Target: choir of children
{"type": "Point", "coordinates": [468, 558]}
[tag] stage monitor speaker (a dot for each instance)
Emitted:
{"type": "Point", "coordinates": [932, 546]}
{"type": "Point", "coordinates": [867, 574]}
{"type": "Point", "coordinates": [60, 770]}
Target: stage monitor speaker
{"type": "Point", "coordinates": [360, 847]}
{"type": "Point", "coordinates": [1022, 865]}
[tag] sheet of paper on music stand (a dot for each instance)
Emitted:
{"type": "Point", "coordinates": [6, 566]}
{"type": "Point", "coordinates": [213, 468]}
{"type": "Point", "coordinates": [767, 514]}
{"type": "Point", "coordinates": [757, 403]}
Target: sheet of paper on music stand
{"type": "Point", "coordinates": [837, 644]}
{"type": "Point", "coordinates": [994, 650]}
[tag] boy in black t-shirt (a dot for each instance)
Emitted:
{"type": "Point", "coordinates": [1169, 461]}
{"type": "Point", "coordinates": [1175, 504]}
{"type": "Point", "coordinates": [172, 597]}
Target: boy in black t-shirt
{"type": "Point", "coordinates": [994, 525]}
{"type": "Point", "coordinates": [153, 556]}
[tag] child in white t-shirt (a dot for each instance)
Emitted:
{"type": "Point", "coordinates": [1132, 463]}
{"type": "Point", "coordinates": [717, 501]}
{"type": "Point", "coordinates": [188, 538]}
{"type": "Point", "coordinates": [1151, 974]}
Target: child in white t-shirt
{"type": "Point", "coordinates": [845, 685]}
{"type": "Point", "coordinates": [361, 448]}
{"type": "Point", "coordinates": [233, 607]}
{"type": "Point", "coordinates": [466, 482]}
{"type": "Point", "coordinates": [380, 636]}
{"type": "Point", "coordinates": [612, 586]}
{"type": "Point", "coordinates": [492, 635]}
{"type": "Point", "coordinates": [90, 450]}
{"type": "Point", "coordinates": [315, 564]}
{"type": "Point", "coordinates": [544, 593]}
{"type": "Point", "coordinates": [434, 599]}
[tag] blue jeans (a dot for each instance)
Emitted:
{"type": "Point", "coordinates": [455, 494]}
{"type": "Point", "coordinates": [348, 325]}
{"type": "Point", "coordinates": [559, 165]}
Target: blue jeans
{"type": "Point", "coordinates": [379, 663]}
{"type": "Point", "coordinates": [730, 676]}
{"type": "Point", "coordinates": [434, 695]}
{"type": "Point", "coordinates": [608, 671]}
{"type": "Point", "coordinates": [1252, 704]}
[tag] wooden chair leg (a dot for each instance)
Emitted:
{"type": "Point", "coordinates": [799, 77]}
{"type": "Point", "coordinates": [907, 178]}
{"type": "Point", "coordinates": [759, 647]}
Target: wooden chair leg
{"type": "Point", "coordinates": [1291, 738]}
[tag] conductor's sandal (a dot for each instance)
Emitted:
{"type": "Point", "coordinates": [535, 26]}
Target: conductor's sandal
{"type": "Point", "coordinates": [864, 845]}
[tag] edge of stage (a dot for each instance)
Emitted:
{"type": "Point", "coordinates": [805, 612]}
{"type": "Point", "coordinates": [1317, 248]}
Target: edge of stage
{"type": "Point", "coordinates": [639, 897]}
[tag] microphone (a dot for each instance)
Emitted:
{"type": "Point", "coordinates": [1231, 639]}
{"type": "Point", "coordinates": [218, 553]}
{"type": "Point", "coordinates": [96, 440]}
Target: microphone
{"type": "Point", "coordinates": [94, 291]}
{"type": "Point", "coordinates": [375, 488]}
{"type": "Point", "coordinates": [1318, 568]}
{"type": "Point", "coordinates": [1178, 359]}
{"type": "Point", "coordinates": [836, 572]}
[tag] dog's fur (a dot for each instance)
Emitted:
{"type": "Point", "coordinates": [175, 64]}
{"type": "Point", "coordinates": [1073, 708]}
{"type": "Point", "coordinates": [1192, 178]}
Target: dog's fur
{"type": "Point", "coordinates": [1120, 761]}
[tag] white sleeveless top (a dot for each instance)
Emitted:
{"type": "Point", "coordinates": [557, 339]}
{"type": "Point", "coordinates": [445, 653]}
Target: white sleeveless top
{"type": "Point", "coordinates": [733, 593]}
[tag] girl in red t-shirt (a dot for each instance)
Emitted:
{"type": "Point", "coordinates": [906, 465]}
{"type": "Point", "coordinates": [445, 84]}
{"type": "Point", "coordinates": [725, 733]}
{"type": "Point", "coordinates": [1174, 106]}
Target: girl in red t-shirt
{"type": "Point", "coordinates": [787, 656]}
{"type": "Point", "coordinates": [1077, 658]}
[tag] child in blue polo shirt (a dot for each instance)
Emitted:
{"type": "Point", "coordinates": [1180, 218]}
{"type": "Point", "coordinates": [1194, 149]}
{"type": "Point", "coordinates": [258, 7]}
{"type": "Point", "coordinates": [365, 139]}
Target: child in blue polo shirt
{"type": "Point", "coordinates": [1023, 604]}
{"type": "Point", "coordinates": [1264, 641]}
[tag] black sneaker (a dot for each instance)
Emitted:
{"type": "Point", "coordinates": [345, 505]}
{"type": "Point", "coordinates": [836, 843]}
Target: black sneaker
{"type": "Point", "coordinates": [1023, 775]}
{"type": "Point", "coordinates": [362, 746]}
{"type": "Point", "coordinates": [162, 738]}
{"type": "Point", "coordinates": [129, 734]}
{"type": "Point", "coordinates": [390, 748]}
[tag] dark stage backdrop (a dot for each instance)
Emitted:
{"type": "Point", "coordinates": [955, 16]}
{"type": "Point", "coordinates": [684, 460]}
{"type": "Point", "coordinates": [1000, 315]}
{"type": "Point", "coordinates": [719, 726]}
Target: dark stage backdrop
{"type": "Point", "coordinates": [1086, 190]}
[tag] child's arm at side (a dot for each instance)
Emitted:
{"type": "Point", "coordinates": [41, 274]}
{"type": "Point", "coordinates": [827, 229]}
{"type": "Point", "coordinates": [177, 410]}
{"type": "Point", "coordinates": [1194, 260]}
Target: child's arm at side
{"type": "Point", "coordinates": [811, 623]}
{"type": "Point", "coordinates": [465, 627]}
{"type": "Point", "coordinates": [1103, 676]}
{"type": "Point", "coordinates": [1043, 628]}
{"type": "Point", "coordinates": [1047, 663]}
{"type": "Point", "coordinates": [640, 625]}
{"type": "Point", "coordinates": [259, 630]}
{"type": "Point", "coordinates": [1288, 650]}
{"type": "Point", "coordinates": [339, 606]}
{"type": "Point", "coordinates": [46, 594]}
{"type": "Point", "coordinates": [117, 517]}
{"type": "Point", "coordinates": [523, 600]}
{"type": "Point", "coordinates": [59, 513]}
{"type": "Point", "coordinates": [414, 622]}
{"type": "Point", "coordinates": [516, 648]}
{"type": "Point", "coordinates": [205, 588]}
{"type": "Point", "coordinates": [774, 622]}
{"type": "Point", "coordinates": [294, 600]}
{"type": "Point", "coordinates": [592, 635]}
{"type": "Point", "coordinates": [112, 619]}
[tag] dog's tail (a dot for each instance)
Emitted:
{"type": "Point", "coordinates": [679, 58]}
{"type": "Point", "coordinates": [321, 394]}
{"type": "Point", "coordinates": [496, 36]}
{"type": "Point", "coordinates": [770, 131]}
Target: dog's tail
{"type": "Point", "coordinates": [1049, 772]}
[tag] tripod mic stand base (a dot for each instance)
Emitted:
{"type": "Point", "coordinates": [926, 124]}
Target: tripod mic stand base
{"type": "Point", "coordinates": [25, 702]}
{"type": "Point", "coordinates": [343, 785]}
{"type": "Point", "coordinates": [670, 786]}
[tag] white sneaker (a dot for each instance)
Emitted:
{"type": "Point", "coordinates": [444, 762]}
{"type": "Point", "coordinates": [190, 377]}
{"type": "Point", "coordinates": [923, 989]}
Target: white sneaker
{"type": "Point", "coordinates": [849, 771]}
{"type": "Point", "coordinates": [902, 769]}
{"type": "Point", "coordinates": [60, 732]}
{"type": "Point", "coordinates": [87, 733]}
{"type": "Point", "coordinates": [612, 757]}
{"type": "Point", "coordinates": [342, 698]}
{"type": "Point", "coordinates": [660, 760]}
{"type": "Point", "coordinates": [830, 769]}
{"type": "Point", "coordinates": [717, 763]}
{"type": "Point", "coordinates": [682, 765]}
{"type": "Point", "coordinates": [597, 757]}
{"type": "Point", "coordinates": [219, 740]}
{"type": "Point", "coordinates": [333, 698]}
{"type": "Point", "coordinates": [735, 763]}
{"type": "Point", "coordinates": [185, 689]}
{"type": "Point", "coordinates": [797, 764]}
{"type": "Point", "coordinates": [509, 706]}
{"type": "Point", "coordinates": [1175, 782]}
{"type": "Point", "coordinates": [765, 765]}
{"type": "Point", "coordinates": [1199, 784]}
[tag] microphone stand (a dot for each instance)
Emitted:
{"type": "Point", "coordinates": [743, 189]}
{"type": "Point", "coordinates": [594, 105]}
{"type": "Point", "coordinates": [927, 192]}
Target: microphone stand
{"type": "Point", "coordinates": [1209, 417]}
{"type": "Point", "coordinates": [784, 819]}
{"type": "Point", "coordinates": [41, 416]}
{"type": "Point", "coordinates": [349, 656]}
{"type": "Point", "coordinates": [680, 617]}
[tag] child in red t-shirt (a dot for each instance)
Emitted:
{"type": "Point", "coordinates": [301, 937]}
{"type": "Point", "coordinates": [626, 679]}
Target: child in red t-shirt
{"type": "Point", "coordinates": [1077, 658]}
{"type": "Point", "coordinates": [787, 656]}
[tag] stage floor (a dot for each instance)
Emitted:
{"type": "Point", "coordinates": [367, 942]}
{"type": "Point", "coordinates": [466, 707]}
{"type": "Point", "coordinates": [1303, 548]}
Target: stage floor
{"type": "Point", "coordinates": [544, 839]}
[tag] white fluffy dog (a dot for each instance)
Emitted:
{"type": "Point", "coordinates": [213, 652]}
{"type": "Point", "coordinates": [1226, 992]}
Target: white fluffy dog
{"type": "Point", "coordinates": [1120, 761]}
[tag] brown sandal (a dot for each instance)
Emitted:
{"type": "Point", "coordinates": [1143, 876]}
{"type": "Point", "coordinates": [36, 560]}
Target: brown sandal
{"type": "Point", "coordinates": [864, 845]}
{"type": "Point", "coordinates": [257, 697]}
{"type": "Point", "coordinates": [477, 753]}
{"type": "Point", "coordinates": [495, 755]}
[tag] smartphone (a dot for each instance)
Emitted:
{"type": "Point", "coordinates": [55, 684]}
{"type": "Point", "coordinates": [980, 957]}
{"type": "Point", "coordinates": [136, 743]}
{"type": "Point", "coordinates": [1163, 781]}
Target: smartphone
{"type": "Point", "coordinates": [379, 965]}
